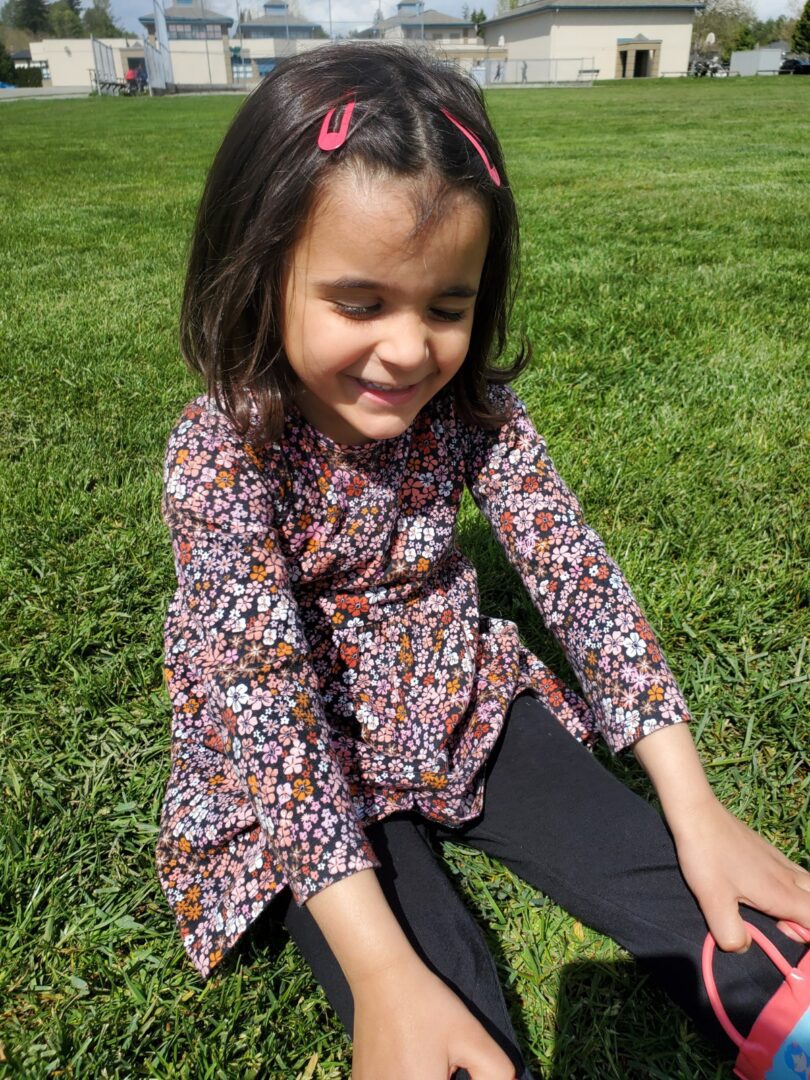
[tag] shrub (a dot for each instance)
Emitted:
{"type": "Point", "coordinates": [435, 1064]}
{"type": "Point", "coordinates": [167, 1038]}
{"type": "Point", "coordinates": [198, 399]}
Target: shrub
{"type": "Point", "coordinates": [27, 77]}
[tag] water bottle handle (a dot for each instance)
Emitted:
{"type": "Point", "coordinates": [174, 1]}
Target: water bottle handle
{"type": "Point", "coordinates": [770, 951]}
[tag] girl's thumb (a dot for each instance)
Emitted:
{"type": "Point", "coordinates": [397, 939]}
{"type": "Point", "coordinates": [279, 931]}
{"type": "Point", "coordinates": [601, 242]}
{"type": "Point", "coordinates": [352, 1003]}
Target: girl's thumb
{"type": "Point", "coordinates": [486, 1063]}
{"type": "Point", "coordinates": [727, 928]}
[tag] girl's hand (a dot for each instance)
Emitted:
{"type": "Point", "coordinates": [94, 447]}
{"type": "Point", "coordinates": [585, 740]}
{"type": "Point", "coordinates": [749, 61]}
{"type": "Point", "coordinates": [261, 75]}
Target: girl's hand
{"type": "Point", "coordinates": [409, 1025]}
{"type": "Point", "coordinates": [723, 861]}
{"type": "Point", "coordinates": [726, 863]}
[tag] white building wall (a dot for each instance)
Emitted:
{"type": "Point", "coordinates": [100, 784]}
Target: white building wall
{"type": "Point", "coordinates": [201, 63]}
{"type": "Point", "coordinates": [71, 59]}
{"type": "Point", "coordinates": [575, 34]}
{"type": "Point", "coordinates": [569, 33]}
{"type": "Point", "coordinates": [527, 38]}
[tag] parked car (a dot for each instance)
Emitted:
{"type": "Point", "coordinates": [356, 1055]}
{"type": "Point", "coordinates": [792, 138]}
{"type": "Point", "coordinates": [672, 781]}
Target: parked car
{"type": "Point", "coordinates": [795, 67]}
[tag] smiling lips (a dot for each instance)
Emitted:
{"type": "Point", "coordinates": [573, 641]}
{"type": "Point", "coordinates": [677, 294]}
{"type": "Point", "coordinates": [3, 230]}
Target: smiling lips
{"type": "Point", "coordinates": [391, 395]}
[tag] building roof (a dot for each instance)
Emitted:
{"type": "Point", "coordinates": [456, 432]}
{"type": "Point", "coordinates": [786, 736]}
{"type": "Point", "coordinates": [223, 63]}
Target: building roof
{"type": "Point", "coordinates": [426, 18]}
{"type": "Point", "coordinates": [189, 13]}
{"type": "Point", "coordinates": [537, 6]}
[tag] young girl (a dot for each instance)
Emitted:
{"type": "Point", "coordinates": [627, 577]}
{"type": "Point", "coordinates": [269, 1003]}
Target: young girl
{"type": "Point", "coordinates": [340, 705]}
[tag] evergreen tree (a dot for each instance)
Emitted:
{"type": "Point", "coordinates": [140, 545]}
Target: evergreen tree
{"type": "Point", "coordinates": [65, 23]}
{"type": "Point", "coordinates": [30, 15]}
{"type": "Point", "coordinates": [98, 21]}
{"type": "Point", "coordinates": [6, 66]}
{"type": "Point", "coordinates": [479, 18]}
{"type": "Point", "coordinates": [773, 29]}
{"type": "Point", "coordinates": [801, 32]}
{"type": "Point", "coordinates": [745, 39]}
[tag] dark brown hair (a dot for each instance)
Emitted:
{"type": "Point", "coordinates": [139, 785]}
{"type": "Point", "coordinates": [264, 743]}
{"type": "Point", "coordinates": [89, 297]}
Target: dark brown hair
{"type": "Point", "coordinates": [262, 186]}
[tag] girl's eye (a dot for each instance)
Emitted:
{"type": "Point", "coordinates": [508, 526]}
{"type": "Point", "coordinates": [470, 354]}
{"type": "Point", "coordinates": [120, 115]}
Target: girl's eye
{"type": "Point", "coordinates": [368, 311]}
{"type": "Point", "coordinates": [357, 311]}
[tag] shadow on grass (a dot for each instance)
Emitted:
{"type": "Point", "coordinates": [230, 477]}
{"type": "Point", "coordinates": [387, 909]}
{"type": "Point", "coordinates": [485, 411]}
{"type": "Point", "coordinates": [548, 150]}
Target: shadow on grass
{"type": "Point", "coordinates": [609, 1027]}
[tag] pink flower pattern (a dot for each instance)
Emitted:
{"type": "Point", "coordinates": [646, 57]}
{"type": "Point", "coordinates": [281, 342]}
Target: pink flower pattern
{"type": "Point", "coordinates": [326, 660]}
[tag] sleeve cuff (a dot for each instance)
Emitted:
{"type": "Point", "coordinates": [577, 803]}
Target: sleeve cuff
{"type": "Point", "coordinates": [344, 858]}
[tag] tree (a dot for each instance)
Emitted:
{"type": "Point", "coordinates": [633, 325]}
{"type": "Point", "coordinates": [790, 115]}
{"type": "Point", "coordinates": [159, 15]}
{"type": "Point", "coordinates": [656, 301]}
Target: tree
{"type": "Point", "coordinates": [65, 23]}
{"type": "Point", "coordinates": [27, 15]}
{"type": "Point", "coordinates": [98, 21]}
{"type": "Point", "coordinates": [801, 32]}
{"type": "Point", "coordinates": [502, 6]}
{"type": "Point", "coordinates": [6, 66]}
{"type": "Point", "coordinates": [726, 19]}
{"type": "Point", "coordinates": [745, 39]}
{"type": "Point", "coordinates": [768, 30]}
{"type": "Point", "coordinates": [479, 18]}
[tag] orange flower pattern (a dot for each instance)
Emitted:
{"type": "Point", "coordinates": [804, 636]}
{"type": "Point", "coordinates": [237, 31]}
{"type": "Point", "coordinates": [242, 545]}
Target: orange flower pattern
{"type": "Point", "coordinates": [325, 657]}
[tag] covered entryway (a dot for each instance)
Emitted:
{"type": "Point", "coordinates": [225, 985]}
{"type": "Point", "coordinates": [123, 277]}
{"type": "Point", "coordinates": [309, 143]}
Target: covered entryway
{"type": "Point", "coordinates": [638, 58]}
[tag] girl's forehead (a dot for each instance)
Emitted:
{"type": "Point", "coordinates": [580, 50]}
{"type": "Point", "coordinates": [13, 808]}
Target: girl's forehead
{"type": "Point", "coordinates": [387, 219]}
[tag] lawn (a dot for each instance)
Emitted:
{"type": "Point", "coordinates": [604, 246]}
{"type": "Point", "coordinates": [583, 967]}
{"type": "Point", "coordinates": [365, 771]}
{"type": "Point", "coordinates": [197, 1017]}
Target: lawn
{"type": "Point", "coordinates": [665, 288]}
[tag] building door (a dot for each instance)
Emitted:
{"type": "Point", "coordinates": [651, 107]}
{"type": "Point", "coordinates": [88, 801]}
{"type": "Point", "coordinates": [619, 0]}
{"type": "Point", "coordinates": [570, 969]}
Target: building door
{"type": "Point", "coordinates": [637, 58]}
{"type": "Point", "coordinates": [641, 64]}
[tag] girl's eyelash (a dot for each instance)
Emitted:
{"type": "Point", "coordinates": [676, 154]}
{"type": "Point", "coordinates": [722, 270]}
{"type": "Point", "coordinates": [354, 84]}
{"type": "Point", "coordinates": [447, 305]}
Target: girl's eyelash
{"type": "Point", "coordinates": [358, 311]}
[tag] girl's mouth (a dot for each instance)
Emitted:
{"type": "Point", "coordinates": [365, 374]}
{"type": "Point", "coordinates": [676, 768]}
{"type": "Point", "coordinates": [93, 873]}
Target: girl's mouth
{"type": "Point", "coordinates": [390, 395]}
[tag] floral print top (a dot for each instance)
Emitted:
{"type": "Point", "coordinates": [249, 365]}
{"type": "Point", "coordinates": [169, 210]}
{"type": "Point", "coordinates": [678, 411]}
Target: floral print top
{"type": "Point", "coordinates": [325, 658]}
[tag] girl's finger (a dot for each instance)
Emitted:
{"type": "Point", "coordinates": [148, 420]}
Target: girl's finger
{"type": "Point", "coordinates": [726, 926]}
{"type": "Point", "coordinates": [794, 931]}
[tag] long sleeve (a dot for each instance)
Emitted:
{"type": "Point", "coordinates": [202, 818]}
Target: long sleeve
{"type": "Point", "coordinates": [262, 691]}
{"type": "Point", "coordinates": [578, 589]}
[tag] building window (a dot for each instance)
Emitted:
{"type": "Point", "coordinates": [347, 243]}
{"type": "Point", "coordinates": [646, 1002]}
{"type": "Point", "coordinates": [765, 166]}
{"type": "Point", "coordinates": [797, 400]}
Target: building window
{"type": "Point", "coordinates": [194, 31]}
{"type": "Point", "coordinates": [242, 69]}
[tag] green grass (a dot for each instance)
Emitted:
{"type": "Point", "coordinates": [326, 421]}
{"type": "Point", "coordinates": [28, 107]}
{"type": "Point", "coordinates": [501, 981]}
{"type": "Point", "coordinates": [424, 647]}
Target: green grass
{"type": "Point", "coordinates": [665, 288]}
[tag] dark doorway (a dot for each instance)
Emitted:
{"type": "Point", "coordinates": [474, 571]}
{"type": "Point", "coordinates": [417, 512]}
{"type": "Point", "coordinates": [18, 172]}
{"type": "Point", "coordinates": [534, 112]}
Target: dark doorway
{"type": "Point", "coordinates": [641, 64]}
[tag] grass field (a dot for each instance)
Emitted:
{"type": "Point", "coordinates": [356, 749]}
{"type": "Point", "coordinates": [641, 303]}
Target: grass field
{"type": "Point", "coordinates": [665, 286]}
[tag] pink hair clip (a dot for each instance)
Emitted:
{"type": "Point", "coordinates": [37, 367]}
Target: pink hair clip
{"type": "Point", "coordinates": [331, 140]}
{"type": "Point", "coordinates": [493, 172]}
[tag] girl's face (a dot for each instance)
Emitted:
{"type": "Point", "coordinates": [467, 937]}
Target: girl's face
{"type": "Point", "coordinates": [376, 321]}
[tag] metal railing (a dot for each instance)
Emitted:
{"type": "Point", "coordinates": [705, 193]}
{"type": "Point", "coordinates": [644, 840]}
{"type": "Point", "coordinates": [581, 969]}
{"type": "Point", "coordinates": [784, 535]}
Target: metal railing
{"type": "Point", "coordinates": [563, 71]}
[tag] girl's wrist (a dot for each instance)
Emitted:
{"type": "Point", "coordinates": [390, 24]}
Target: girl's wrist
{"type": "Point", "coordinates": [361, 929]}
{"type": "Point", "coordinates": [671, 761]}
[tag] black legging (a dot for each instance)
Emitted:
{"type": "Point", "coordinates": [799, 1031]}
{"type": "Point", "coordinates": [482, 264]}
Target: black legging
{"type": "Point", "coordinates": [567, 826]}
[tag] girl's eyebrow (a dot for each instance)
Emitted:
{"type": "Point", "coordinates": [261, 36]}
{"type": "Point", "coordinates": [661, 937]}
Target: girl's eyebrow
{"type": "Point", "coordinates": [462, 291]}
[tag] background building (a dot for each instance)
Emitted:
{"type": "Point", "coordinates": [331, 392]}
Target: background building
{"type": "Point", "coordinates": [69, 62]}
{"type": "Point", "coordinates": [621, 39]}
{"type": "Point", "coordinates": [198, 43]}
{"type": "Point", "coordinates": [259, 43]}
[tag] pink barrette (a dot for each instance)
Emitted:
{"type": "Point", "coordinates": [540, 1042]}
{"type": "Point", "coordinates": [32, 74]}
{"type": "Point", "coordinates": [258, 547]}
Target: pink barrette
{"type": "Point", "coordinates": [331, 140]}
{"type": "Point", "coordinates": [493, 172]}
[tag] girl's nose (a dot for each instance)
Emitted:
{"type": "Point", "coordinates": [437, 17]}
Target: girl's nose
{"type": "Point", "coordinates": [405, 344]}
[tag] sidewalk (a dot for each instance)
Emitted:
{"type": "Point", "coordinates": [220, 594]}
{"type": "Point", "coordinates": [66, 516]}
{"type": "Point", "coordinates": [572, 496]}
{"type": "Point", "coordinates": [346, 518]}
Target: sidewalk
{"type": "Point", "coordinates": [18, 93]}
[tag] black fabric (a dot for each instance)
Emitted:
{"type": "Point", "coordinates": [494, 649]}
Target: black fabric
{"type": "Point", "coordinates": [561, 821]}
